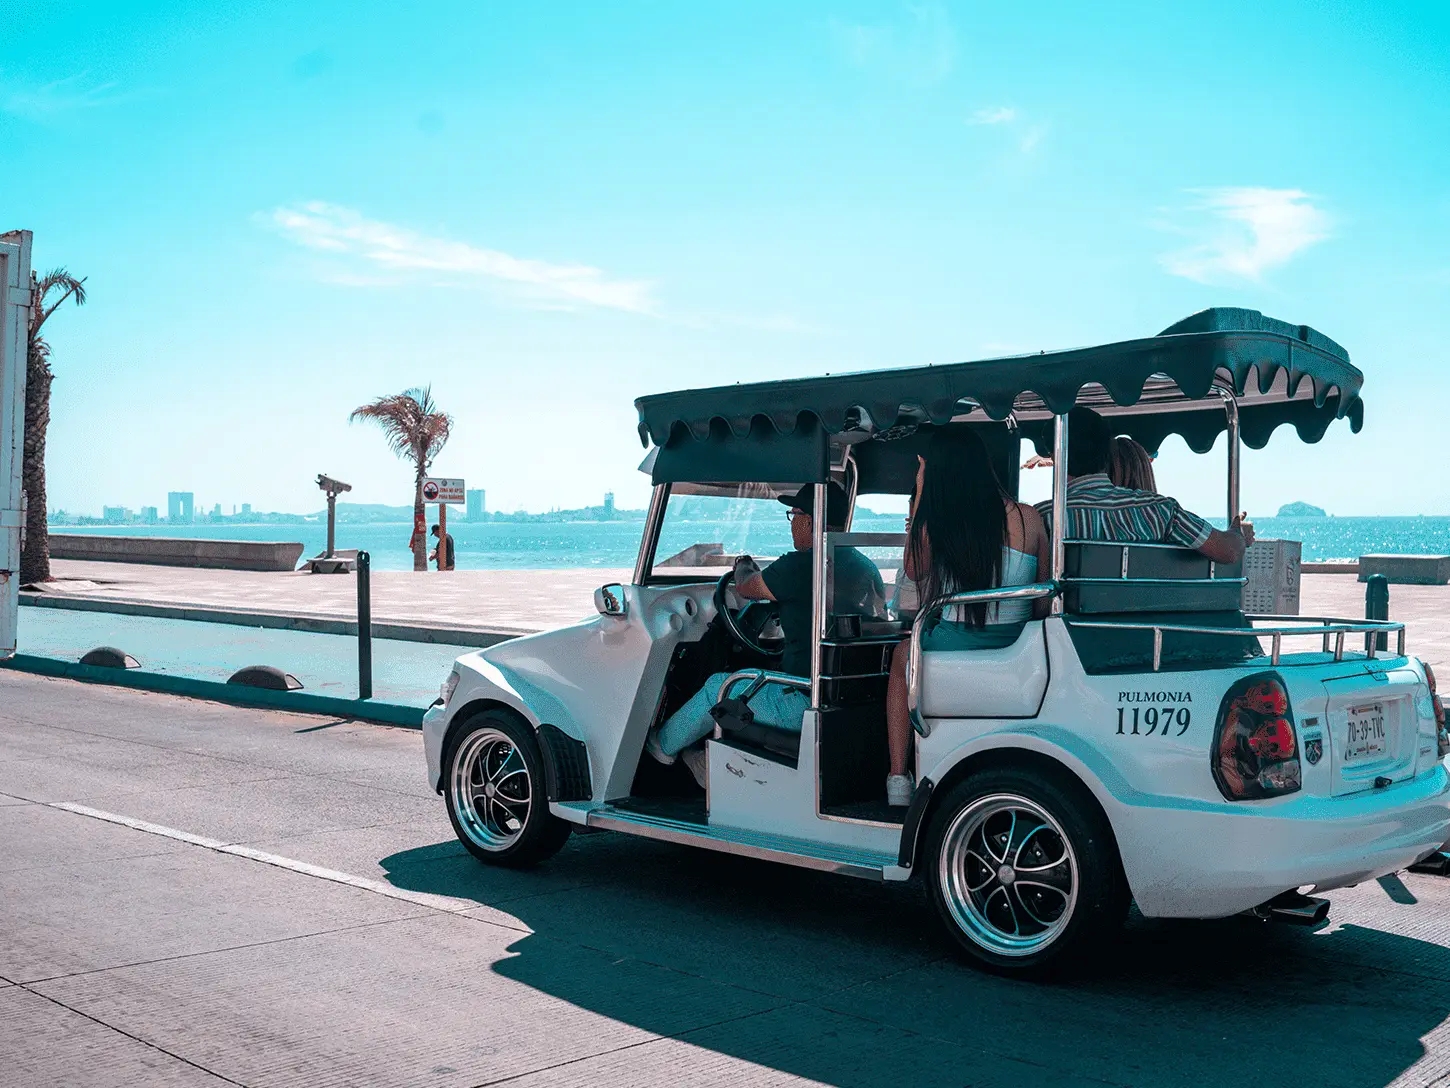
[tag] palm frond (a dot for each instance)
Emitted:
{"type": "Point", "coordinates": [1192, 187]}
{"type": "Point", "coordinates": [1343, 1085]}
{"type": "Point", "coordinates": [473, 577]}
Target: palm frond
{"type": "Point", "coordinates": [57, 279]}
{"type": "Point", "coordinates": [411, 423]}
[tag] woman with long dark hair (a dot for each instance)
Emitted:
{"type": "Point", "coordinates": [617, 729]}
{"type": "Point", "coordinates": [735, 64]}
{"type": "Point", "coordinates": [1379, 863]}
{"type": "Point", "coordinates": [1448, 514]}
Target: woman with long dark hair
{"type": "Point", "coordinates": [1130, 465]}
{"type": "Point", "coordinates": [965, 533]}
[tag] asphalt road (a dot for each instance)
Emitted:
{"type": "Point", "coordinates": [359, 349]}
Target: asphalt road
{"type": "Point", "coordinates": [193, 894]}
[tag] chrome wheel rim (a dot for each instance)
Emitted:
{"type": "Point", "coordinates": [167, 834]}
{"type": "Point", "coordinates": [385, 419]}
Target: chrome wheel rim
{"type": "Point", "coordinates": [1008, 875]}
{"type": "Point", "coordinates": [492, 793]}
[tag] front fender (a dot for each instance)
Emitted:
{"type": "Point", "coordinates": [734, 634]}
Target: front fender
{"type": "Point", "coordinates": [483, 682]}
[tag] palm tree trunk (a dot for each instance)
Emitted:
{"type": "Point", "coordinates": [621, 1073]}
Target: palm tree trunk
{"type": "Point", "coordinates": [35, 558]}
{"type": "Point", "coordinates": [420, 540]}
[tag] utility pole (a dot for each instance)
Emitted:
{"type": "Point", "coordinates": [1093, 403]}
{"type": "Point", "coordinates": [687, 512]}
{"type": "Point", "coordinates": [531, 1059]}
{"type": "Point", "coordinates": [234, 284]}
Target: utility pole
{"type": "Point", "coordinates": [15, 303]}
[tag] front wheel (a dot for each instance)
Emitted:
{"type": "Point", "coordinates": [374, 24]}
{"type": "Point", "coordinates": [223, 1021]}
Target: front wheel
{"type": "Point", "coordinates": [494, 787]}
{"type": "Point", "coordinates": [1023, 870]}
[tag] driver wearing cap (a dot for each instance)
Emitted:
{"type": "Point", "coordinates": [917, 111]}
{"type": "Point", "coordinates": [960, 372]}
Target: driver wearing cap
{"type": "Point", "coordinates": [788, 582]}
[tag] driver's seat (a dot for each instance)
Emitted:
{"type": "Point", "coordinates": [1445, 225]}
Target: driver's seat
{"type": "Point", "coordinates": [735, 719]}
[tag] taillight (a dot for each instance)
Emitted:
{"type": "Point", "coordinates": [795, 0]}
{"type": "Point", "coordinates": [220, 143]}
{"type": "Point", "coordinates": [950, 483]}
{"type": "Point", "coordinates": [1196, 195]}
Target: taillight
{"type": "Point", "coordinates": [1441, 734]}
{"type": "Point", "coordinates": [1255, 748]}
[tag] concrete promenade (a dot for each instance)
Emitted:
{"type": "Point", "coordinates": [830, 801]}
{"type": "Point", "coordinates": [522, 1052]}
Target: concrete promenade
{"type": "Point", "coordinates": [485, 601]}
{"type": "Point", "coordinates": [489, 603]}
{"type": "Point", "coordinates": [193, 894]}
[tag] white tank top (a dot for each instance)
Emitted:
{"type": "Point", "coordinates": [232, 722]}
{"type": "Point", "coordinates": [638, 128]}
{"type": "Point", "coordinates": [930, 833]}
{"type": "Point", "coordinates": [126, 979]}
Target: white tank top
{"type": "Point", "coordinates": [1018, 569]}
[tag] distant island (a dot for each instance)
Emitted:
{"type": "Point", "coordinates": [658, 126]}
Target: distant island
{"type": "Point", "coordinates": [1300, 510]}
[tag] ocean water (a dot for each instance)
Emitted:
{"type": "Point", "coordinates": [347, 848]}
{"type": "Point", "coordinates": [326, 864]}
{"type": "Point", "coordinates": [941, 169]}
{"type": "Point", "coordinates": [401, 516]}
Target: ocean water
{"type": "Point", "coordinates": [546, 545]}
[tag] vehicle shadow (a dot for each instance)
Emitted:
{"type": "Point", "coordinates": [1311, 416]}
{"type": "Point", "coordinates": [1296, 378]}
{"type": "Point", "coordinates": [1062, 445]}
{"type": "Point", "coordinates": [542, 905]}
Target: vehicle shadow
{"type": "Point", "coordinates": [850, 983]}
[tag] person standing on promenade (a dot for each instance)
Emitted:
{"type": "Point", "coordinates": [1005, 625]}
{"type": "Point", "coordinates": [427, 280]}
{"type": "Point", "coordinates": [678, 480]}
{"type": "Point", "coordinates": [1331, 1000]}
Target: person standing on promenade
{"type": "Point", "coordinates": [443, 550]}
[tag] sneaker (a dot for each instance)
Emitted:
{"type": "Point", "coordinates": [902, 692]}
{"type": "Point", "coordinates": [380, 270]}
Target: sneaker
{"type": "Point", "coordinates": [699, 764]}
{"type": "Point", "coordinates": [652, 746]}
{"type": "Point", "coordinates": [899, 788]}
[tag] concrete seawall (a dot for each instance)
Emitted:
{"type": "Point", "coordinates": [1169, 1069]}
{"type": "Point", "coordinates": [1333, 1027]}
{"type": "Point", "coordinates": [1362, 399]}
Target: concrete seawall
{"type": "Point", "coordinates": [164, 551]}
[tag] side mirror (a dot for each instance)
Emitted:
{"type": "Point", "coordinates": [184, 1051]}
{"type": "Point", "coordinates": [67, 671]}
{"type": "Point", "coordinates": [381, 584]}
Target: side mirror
{"type": "Point", "coordinates": [610, 600]}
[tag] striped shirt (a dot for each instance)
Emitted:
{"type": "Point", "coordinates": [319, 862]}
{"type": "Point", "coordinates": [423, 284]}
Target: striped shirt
{"type": "Point", "coordinates": [1097, 509]}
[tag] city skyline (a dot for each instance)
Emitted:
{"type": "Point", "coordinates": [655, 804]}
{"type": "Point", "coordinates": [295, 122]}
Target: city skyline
{"type": "Point", "coordinates": [547, 217]}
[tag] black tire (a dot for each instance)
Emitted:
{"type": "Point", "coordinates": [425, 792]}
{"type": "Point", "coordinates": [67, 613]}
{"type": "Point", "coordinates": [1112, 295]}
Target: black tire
{"type": "Point", "coordinates": [1024, 920]}
{"type": "Point", "coordinates": [493, 783]}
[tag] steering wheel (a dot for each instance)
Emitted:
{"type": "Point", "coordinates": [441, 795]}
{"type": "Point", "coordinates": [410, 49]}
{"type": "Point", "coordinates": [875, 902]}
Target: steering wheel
{"type": "Point", "coordinates": [735, 620]}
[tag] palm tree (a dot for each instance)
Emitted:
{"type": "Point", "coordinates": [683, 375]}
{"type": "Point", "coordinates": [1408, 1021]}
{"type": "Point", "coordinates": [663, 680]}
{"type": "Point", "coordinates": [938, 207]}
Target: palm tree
{"type": "Point", "coordinates": [415, 429]}
{"type": "Point", "coordinates": [35, 558]}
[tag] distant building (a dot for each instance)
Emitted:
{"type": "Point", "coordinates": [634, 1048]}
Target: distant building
{"type": "Point", "coordinates": [178, 507]}
{"type": "Point", "coordinates": [609, 506]}
{"type": "Point", "coordinates": [148, 515]}
{"type": "Point", "coordinates": [115, 515]}
{"type": "Point", "coordinates": [475, 504]}
{"type": "Point", "coordinates": [216, 510]}
{"type": "Point", "coordinates": [246, 509]}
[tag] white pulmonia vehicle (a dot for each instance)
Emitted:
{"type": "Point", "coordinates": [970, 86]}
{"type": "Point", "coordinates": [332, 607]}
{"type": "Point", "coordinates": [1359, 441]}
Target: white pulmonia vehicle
{"type": "Point", "coordinates": [1146, 742]}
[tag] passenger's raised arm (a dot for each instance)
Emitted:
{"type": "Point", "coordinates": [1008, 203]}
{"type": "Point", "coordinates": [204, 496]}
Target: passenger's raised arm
{"type": "Point", "coordinates": [1229, 547]}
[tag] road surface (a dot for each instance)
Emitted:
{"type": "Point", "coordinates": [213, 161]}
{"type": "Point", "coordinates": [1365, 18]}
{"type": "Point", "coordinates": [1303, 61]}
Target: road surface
{"type": "Point", "coordinates": [193, 894]}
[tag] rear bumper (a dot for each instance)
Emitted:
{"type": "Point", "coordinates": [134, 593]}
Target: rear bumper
{"type": "Point", "coordinates": [1211, 861]}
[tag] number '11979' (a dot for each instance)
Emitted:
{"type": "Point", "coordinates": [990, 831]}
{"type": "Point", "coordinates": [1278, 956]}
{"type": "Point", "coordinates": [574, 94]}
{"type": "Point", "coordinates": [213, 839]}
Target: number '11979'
{"type": "Point", "coordinates": [1152, 718]}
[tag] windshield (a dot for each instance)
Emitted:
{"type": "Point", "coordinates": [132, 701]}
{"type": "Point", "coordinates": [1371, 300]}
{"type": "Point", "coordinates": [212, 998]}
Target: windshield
{"type": "Point", "coordinates": [707, 525]}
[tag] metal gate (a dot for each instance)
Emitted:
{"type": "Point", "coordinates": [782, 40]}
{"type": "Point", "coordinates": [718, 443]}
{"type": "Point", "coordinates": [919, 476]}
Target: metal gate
{"type": "Point", "coordinates": [14, 329]}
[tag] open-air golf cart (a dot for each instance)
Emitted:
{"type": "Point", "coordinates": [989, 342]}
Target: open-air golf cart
{"type": "Point", "coordinates": [1146, 741]}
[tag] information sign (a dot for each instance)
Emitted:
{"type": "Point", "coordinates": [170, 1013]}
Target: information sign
{"type": "Point", "coordinates": [440, 489]}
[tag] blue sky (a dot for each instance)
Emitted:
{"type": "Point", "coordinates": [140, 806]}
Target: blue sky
{"type": "Point", "coordinates": [547, 210]}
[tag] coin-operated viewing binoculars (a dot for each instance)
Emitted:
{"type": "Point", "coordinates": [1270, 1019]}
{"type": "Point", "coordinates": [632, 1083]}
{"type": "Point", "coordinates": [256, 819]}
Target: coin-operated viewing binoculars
{"type": "Point", "coordinates": [334, 488]}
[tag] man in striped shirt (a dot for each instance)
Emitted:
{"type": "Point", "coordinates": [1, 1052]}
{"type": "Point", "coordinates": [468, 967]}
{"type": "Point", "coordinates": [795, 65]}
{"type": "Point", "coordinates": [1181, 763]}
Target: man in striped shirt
{"type": "Point", "coordinates": [1097, 509]}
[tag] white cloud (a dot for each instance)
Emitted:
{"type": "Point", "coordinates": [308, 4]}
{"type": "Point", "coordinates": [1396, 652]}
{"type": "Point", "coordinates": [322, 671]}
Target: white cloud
{"type": "Point", "coordinates": [992, 115]}
{"type": "Point", "coordinates": [1029, 140]}
{"type": "Point", "coordinates": [390, 248]}
{"type": "Point", "coordinates": [1255, 229]}
{"type": "Point", "coordinates": [75, 92]}
{"type": "Point", "coordinates": [919, 48]}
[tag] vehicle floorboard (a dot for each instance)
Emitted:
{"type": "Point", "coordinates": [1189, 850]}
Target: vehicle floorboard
{"type": "Point", "coordinates": [877, 811]}
{"type": "Point", "coordinates": [684, 809]}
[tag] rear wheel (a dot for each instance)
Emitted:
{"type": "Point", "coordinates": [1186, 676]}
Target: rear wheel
{"type": "Point", "coordinates": [494, 787]}
{"type": "Point", "coordinates": [1023, 871]}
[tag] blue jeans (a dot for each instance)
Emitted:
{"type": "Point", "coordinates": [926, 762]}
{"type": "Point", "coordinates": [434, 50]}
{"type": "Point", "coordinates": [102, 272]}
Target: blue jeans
{"type": "Point", "coordinates": [773, 705]}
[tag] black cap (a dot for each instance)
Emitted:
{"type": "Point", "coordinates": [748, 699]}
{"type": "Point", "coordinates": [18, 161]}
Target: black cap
{"type": "Point", "coordinates": [836, 502]}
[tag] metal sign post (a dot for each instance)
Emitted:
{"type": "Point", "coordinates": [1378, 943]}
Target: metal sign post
{"type": "Point", "coordinates": [443, 490]}
{"type": "Point", "coordinates": [14, 337]}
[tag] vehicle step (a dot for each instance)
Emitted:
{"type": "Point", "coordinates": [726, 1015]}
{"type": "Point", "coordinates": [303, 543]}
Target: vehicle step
{"type": "Point", "coordinates": [825, 857]}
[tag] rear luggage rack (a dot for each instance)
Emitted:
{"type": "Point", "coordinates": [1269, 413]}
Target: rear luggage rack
{"type": "Point", "coordinates": [1282, 627]}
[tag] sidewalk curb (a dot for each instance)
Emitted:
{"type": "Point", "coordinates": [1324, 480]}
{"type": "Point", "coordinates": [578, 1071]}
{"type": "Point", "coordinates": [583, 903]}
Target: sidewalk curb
{"type": "Point", "coordinates": [218, 692]}
{"type": "Point", "coordinates": [472, 638]}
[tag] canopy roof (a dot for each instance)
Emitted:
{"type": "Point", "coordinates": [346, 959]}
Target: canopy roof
{"type": "Point", "coordinates": [1149, 388]}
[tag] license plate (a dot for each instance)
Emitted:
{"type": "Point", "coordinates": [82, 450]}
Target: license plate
{"type": "Point", "coordinates": [1366, 739]}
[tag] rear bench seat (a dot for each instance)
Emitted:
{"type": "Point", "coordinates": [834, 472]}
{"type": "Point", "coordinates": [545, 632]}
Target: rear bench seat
{"type": "Point", "coordinates": [1153, 583]}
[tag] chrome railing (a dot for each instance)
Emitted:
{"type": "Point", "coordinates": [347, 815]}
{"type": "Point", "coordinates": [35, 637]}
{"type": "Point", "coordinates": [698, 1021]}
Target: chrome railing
{"type": "Point", "coordinates": [1030, 592]}
{"type": "Point", "coordinates": [1283, 627]}
{"type": "Point", "coordinates": [759, 678]}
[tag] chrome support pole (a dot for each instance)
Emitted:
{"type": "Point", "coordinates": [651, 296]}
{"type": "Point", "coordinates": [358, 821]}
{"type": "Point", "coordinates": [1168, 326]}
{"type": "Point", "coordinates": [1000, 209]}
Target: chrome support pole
{"type": "Point", "coordinates": [1231, 412]}
{"type": "Point", "coordinates": [818, 591]}
{"type": "Point", "coordinates": [652, 522]}
{"type": "Point", "coordinates": [1157, 648]}
{"type": "Point", "coordinates": [1059, 507]}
